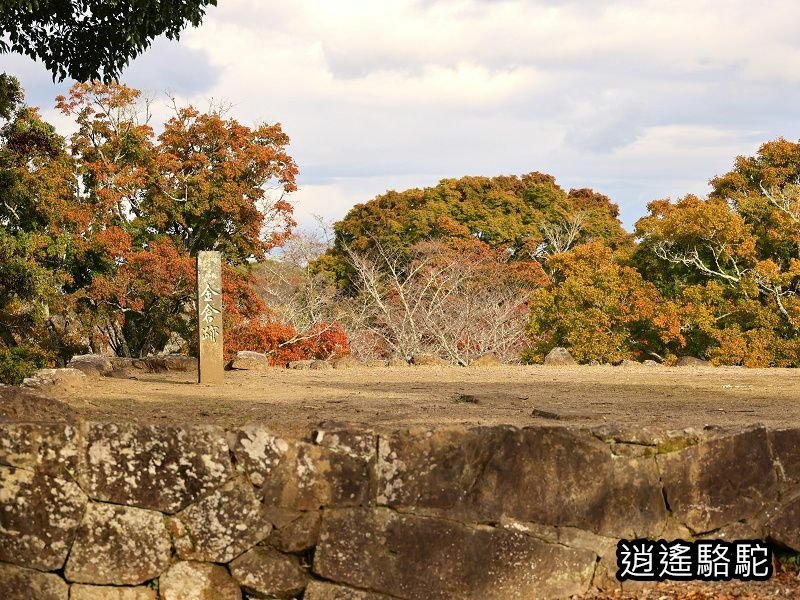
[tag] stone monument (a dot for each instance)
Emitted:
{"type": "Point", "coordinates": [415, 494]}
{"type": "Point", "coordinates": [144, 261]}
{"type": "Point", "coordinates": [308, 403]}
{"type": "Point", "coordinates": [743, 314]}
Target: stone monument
{"type": "Point", "coordinates": [209, 316]}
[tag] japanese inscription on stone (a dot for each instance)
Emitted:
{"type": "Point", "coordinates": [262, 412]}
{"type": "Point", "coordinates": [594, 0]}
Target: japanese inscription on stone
{"type": "Point", "coordinates": [209, 316]}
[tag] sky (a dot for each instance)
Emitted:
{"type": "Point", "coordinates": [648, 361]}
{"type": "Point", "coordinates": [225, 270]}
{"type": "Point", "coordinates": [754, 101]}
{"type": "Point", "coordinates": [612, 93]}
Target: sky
{"type": "Point", "coordinates": [638, 100]}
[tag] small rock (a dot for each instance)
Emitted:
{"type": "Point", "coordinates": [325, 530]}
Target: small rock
{"type": "Point", "coordinates": [320, 365]}
{"type": "Point", "coordinates": [246, 360]}
{"type": "Point", "coordinates": [93, 365]}
{"type": "Point", "coordinates": [198, 581]}
{"type": "Point", "coordinates": [651, 363]}
{"type": "Point", "coordinates": [486, 360]}
{"type": "Point", "coordinates": [80, 591]}
{"type": "Point", "coordinates": [691, 361]}
{"type": "Point", "coordinates": [56, 381]}
{"type": "Point", "coordinates": [559, 356]}
{"type": "Point", "coordinates": [545, 414]}
{"type": "Point", "coordinates": [268, 572]}
{"type": "Point", "coordinates": [424, 360]}
{"type": "Point", "coordinates": [17, 583]}
{"type": "Point", "coordinates": [346, 362]}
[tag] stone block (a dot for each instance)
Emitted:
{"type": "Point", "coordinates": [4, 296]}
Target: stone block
{"type": "Point", "coordinates": [158, 467]}
{"type": "Point", "coordinates": [293, 531]}
{"type": "Point", "coordinates": [257, 451]}
{"type": "Point", "coordinates": [784, 526]}
{"type": "Point", "coordinates": [119, 545]}
{"type": "Point", "coordinates": [433, 469]}
{"type": "Point", "coordinates": [18, 583]}
{"type": "Point", "coordinates": [567, 477]}
{"type": "Point", "coordinates": [80, 591]}
{"type": "Point", "coordinates": [266, 573]}
{"type": "Point", "coordinates": [419, 557]}
{"type": "Point", "coordinates": [785, 444]}
{"type": "Point", "coordinates": [39, 517]}
{"type": "Point", "coordinates": [221, 526]}
{"type": "Point", "coordinates": [720, 480]}
{"type": "Point", "coordinates": [198, 581]}
{"type": "Point", "coordinates": [50, 448]}
{"type": "Point", "coordinates": [322, 590]}
{"type": "Point", "coordinates": [311, 477]}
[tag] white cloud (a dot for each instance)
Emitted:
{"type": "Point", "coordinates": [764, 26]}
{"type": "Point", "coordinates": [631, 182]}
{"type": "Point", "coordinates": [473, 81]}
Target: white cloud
{"type": "Point", "coordinates": [640, 99]}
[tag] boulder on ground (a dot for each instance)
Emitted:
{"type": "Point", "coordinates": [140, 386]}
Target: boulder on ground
{"type": "Point", "coordinates": [374, 363]}
{"type": "Point", "coordinates": [92, 365]}
{"type": "Point", "coordinates": [180, 362]}
{"type": "Point", "coordinates": [486, 360]}
{"type": "Point", "coordinates": [425, 360]}
{"type": "Point", "coordinates": [187, 580]}
{"type": "Point", "coordinates": [56, 381]}
{"type": "Point", "coordinates": [320, 365]}
{"type": "Point", "coordinates": [299, 364]}
{"type": "Point", "coordinates": [559, 356]}
{"type": "Point", "coordinates": [247, 360]}
{"type": "Point", "coordinates": [346, 362]}
{"type": "Point", "coordinates": [651, 363]}
{"type": "Point", "coordinates": [692, 361]}
{"type": "Point", "coordinates": [627, 363]}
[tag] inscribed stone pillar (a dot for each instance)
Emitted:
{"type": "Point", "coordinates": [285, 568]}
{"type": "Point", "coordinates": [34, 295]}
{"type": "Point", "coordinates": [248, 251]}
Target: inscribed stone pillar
{"type": "Point", "coordinates": [209, 316]}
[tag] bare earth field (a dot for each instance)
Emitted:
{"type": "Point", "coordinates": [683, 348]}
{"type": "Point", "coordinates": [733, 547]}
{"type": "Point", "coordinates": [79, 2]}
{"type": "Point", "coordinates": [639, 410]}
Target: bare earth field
{"type": "Point", "coordinates": [292, 401]}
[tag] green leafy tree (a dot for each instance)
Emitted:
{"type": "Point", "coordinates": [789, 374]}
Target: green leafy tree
{"type": "Point", "coordinates": [91, 39]}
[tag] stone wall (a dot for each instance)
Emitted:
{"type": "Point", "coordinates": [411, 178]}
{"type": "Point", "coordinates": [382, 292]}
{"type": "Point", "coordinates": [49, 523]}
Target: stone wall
{"type": "Point", "coordinates": [98, 511]}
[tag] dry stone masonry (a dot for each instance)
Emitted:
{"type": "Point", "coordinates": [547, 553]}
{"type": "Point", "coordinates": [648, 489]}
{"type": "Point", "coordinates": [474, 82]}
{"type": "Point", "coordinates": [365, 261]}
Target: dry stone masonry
{"type": "Point", "coordinates": [103, 511]}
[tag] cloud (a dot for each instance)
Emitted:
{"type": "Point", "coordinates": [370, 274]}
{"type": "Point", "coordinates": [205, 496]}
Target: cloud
{"type": "Point", "coordinates": [640, 99]}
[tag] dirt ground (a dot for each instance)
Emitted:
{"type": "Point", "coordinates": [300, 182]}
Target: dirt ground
{"type": "Point", "coordinates": [293, 401]}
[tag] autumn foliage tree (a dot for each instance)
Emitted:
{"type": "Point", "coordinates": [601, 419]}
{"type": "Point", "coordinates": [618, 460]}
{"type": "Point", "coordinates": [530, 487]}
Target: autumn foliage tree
{"type": "Point", "coordinates": [732, 261]}
{"type": "Point", "coordinates": [601, 309]}
{"type": "Point", "coordinates": [525, 217]}
{"type": "Point", "coordinates": [99, 235]}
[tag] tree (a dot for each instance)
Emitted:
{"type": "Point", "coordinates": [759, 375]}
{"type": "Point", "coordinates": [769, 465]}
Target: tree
{"type": "Point", "coordinates": [521, 216]}
{"type": "Point", "coordinates": [201, 185]}
{"type": "Point", "coordinates": [458, 300]}
{"type": "Point", "coordinates": [600, 309]}
{"type": "Point", "coordinates": [732, 261]}
{"type": "Point", "coordinates": [92, 39]}
{"type": "Point", "coordinates": [37, 230]}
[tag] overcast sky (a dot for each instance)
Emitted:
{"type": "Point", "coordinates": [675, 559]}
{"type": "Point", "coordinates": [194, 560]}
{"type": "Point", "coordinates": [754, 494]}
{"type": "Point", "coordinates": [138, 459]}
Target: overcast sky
{"type": "Point", "coordinates": [638, 100]}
